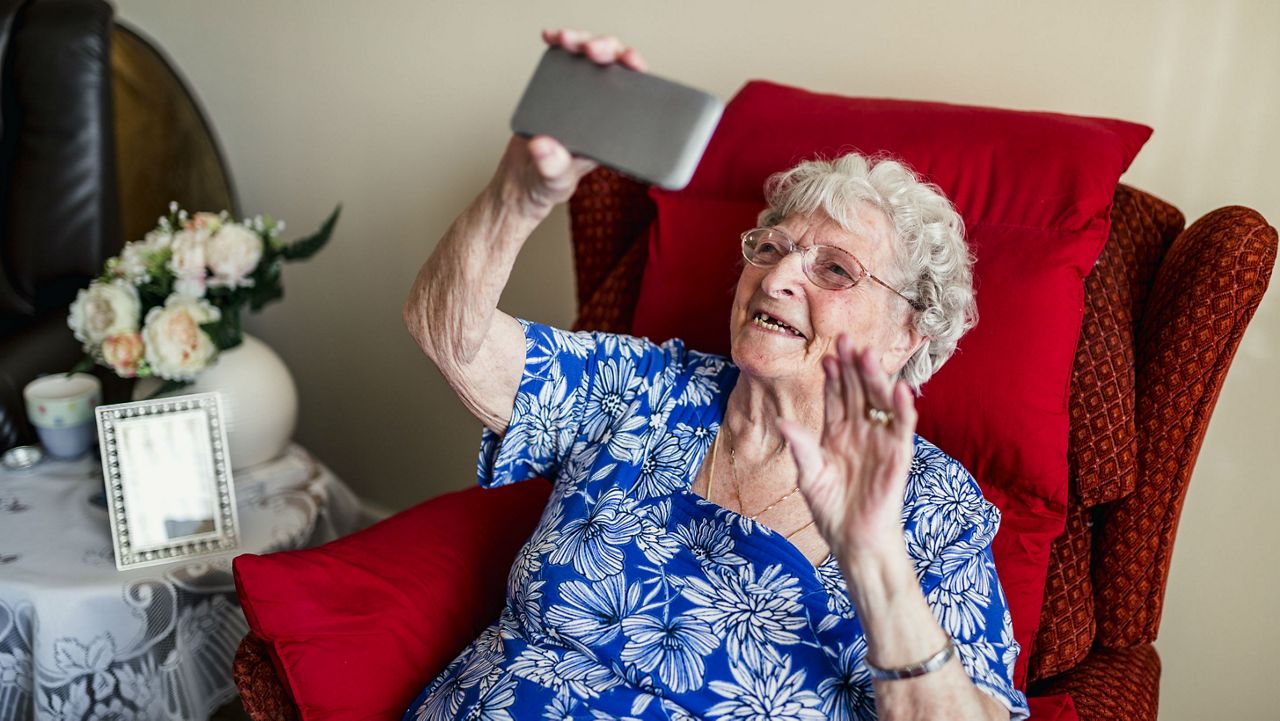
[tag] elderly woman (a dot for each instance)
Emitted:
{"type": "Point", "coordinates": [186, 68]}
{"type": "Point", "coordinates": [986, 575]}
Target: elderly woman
{"type": "Point", "coordinates": [760, 538]}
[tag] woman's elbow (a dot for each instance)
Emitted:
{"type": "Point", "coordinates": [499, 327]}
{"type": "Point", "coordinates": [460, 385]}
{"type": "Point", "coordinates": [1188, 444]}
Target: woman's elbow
{"type": "Point", "coordinates": [415, 320]}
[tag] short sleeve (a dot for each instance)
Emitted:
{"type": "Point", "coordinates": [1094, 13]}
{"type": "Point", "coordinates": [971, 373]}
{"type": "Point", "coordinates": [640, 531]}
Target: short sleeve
{"type": "Point", "coordinates": [949, 530]}
{"type": "Point", "coordinates": [574, 385]}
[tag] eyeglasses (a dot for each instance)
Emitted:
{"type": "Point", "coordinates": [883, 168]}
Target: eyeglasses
{"type": "Point", "coordinates": [826, 265]}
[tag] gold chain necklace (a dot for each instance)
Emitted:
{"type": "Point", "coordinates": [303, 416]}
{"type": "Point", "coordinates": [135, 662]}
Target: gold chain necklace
{"type": "Point", "coordinates": [737, 486]}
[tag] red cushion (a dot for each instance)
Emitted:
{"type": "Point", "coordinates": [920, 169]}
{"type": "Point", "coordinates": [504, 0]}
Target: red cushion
{"type": "Point", "coordinates": [1035, 191]}
{"type": "Point", "coordinates": [359, 626]}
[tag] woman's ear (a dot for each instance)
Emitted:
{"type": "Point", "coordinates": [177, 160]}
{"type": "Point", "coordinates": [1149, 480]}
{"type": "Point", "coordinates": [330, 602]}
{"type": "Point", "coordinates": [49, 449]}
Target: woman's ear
{"type": "Point", "coordinates": [908, 341]}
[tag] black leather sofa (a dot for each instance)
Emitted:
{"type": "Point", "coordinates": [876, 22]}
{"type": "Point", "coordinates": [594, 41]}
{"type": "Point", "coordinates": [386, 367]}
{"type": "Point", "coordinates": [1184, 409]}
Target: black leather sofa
{"type": "Point", "coordinates": [98, 132]}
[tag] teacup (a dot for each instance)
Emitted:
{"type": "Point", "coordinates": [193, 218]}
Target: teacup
{"type": "Point", "coordinates": [60, 406]}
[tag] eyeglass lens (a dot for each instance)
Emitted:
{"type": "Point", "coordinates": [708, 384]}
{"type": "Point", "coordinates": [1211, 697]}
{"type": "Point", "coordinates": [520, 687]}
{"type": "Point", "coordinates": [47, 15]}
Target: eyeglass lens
{"type": "Point", "coordinates": [826, 266]}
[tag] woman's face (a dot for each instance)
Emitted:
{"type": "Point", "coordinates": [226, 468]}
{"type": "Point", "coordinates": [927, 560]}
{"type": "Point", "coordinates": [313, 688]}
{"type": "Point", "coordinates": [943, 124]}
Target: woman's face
{"type": "Point", "coordinates": [813, 317]}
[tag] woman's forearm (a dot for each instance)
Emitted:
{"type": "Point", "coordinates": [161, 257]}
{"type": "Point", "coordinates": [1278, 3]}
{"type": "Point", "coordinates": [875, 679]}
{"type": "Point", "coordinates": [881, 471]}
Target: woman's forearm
{"type": "Point", "coordinates": [901, 630]}
{"type": "Point", "coordinates": [454, 298]}
{"type": "Point", "coordinates": [452, 309]}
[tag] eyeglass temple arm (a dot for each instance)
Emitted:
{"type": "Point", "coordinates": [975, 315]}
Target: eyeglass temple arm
{"type": "Point", "coordinates": [914, 304]}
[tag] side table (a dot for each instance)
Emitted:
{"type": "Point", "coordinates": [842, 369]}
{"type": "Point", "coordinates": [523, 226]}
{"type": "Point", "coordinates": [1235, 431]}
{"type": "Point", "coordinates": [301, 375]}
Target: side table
{"type": "Point", "coordinates": [80, 640]}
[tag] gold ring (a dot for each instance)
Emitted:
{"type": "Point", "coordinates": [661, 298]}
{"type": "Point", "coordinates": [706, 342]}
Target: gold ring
{"type": "Point", "coordinates": [879, 415]}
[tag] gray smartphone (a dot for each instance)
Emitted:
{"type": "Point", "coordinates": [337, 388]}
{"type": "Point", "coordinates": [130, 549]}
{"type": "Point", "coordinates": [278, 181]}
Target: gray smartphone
{"type": "Point", "coordinates": [649, 128]}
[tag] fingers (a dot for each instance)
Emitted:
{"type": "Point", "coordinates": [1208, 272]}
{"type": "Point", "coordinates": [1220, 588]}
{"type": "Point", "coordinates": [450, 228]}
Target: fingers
{"type": "Point", "coordinates": [854, 383]}
{"type": "Point", "coordinates": [832, 392]}
{"type": "Point", "coordinates": [904, 409]}
{"type": "Point", "coordinates": [877, 386]}
{"type": "Point", "coordinates": [603, 49]}
{"type": "Point", "coordinates": [555, 163]}
{"type": "Point", "coordinates": [805, 448]}
{"type": "Point", "coordinates": [566, 38]}
{"type": "Point", "coordinates": [550, 158]}
{"type": "Point", "coordinates": [555, 173]}
{"type": "Point", "coordinates": [855, 400]}
{"type": "Point", "coordinates": [885, 393]}
{"type": "Point", "coordinates": [632, 58]}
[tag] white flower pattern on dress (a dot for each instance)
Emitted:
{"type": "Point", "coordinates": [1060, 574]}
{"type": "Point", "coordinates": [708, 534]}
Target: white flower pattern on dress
{"type": "Point", "coordinates": [757, 615]}
{"type": "Point", "coordinates": [769, 692]}
{"type": "Point", "coordinates": [662, 470]}
{"type": "Point", "coordinates": [710, 543]}
{"type": "Point", "coordinates": [674, 648]}
{"type": "Point", "coordinates": [593, 612]}
{"type": "Point", "coordinates": [636, 599]}
{"type": "Point", "coordinates": [849, 695]}
{"type": "Point", "coordinates": [593, 543]}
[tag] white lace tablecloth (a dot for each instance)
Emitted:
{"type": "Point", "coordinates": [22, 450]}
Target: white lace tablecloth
{"type": "Point", "coordinates": [81, 641]}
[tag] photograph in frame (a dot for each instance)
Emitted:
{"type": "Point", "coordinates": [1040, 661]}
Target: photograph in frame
{"type": "Point", "coordinates": [169, 486]}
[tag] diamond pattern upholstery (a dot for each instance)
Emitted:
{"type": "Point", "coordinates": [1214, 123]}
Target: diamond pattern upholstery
{"type": "Point", "coordinates": [609, 221]}
{"type": "Point", "coordinates": [1103, 447]}
{"type": "Point", "coordinates": [1111, 685]}
{"type": "Point", "coordinates": [1204, 294]}
{"type": "Point", "coordinates": [261, 692]}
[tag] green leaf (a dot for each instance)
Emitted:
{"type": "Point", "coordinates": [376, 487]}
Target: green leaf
{"type": "Point", "coordinates": [264, 293]}
{"type": "Point", "coordinates": [155, 292]}
{"type": "Point", "coordinates": [158, 265]}
{"type": "Point", "coordinates": [226, 332]}
{"type": "Point", "coordinates": [266, 285]}
{"type": "Point", "coordinates": [306, 247]}
{"type": "Point", "coordinates": [84, 365]}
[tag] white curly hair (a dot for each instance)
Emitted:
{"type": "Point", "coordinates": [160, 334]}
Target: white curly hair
{"type": "Point", "coordinates": [933, 259]}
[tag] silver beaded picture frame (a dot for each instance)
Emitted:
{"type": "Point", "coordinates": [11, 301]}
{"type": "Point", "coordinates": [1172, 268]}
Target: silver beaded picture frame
{"type": "Point", "coordinates": [169, 486]}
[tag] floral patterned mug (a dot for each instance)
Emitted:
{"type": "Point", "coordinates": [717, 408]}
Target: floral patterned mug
{"type": "Point", "coordinates": [60, 406]}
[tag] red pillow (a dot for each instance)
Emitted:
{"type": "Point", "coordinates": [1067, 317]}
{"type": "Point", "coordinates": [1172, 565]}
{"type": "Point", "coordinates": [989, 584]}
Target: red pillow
{"type": "Point", "coordinates": [359, 626]}
{"type": "Point", "coordinates": [1035, 191]}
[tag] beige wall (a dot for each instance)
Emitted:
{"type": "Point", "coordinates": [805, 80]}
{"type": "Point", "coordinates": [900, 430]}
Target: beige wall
{"type": "Point", "coordinates": [398, 108]}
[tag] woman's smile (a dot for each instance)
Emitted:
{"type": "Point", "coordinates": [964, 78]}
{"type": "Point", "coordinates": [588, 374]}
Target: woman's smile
{"type": "Point", "coordinates": [775, 326]}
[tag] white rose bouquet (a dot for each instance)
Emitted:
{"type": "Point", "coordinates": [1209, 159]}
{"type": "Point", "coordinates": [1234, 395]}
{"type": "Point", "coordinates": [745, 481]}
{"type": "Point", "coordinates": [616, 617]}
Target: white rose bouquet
{"type": "Point", "coordinates": [169, 303]}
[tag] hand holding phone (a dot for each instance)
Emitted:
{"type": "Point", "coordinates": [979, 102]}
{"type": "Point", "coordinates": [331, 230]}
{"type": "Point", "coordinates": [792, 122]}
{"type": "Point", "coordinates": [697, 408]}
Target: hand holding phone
{"type": "Point", "coordinates": [601, 49]}
{"type": "Point", "coordinates": [644, 126]}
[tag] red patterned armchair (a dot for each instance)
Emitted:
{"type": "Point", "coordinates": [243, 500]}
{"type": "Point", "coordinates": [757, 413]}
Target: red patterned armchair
{"type": "Point", "coordinates": [1165, 310]}
{"type": "Point", "coordinates": [1079, 429]}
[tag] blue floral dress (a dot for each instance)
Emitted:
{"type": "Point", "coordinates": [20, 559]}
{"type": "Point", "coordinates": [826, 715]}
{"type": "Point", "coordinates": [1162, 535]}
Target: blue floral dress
{"type": "Point", "coordinates": [637, 599]}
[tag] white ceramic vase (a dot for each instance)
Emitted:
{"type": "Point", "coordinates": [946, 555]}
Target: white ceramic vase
{"type": "Point", "coordinates": [259, 400]}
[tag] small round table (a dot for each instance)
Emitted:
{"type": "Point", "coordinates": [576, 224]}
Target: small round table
{"type": "Point", "coordinates": [80, 640]}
